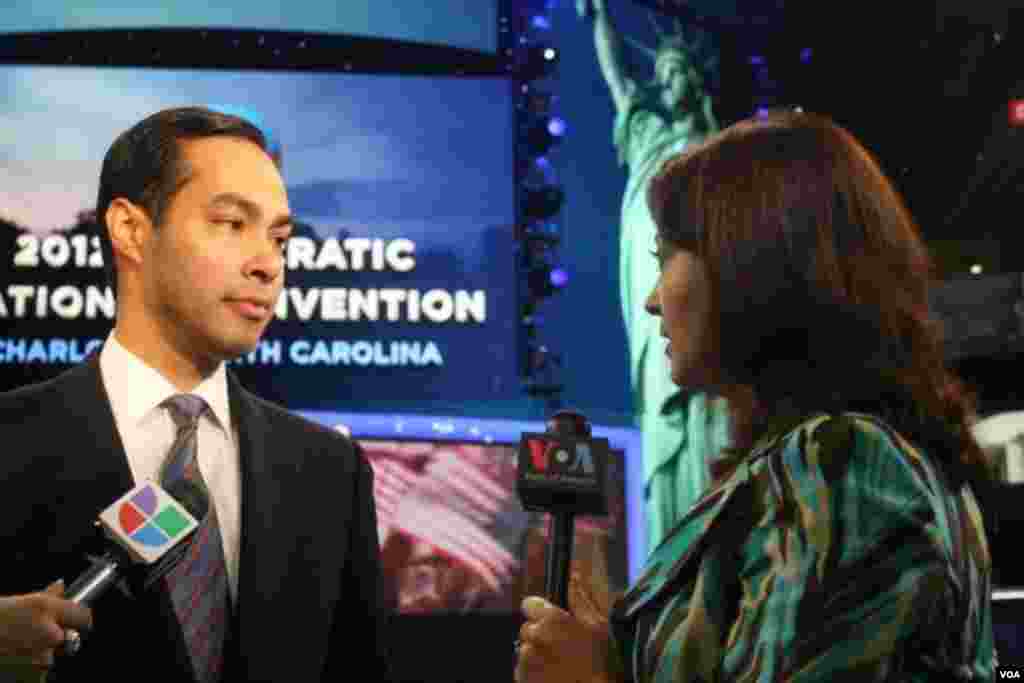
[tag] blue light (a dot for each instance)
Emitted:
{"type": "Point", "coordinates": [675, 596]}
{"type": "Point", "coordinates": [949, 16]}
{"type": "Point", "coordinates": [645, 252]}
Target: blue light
{"type": "Point", "coordinates": [806, 54]}
{"type": "Point", "coordinates": [549, 228]}
{"type": "Point", "coordinates": [557, 127]}
{"type": "Point", "coordinates": [762, 112]}
{"type": "Point", "coordinates": [255, 118]}
{"type": "Point", "coordinates": [550, 54]}
{"type": "Point", "coordinates": [756, 60]}
{"type": "Point", "coordinates": [541, 22]}
{"type": "Point", "coordinates": [559, 277]}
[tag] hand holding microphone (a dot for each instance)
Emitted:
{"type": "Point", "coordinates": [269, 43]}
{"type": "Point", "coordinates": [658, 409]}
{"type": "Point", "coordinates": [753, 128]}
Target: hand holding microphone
{"type": "Point", "coordinates": [146, 529]}
{"type": "Point", "coordinates": [33, 625]}
{"type": "Point", "coordinates": [555, 646]}
{"type": "Point", "coordinates": [564, 472]}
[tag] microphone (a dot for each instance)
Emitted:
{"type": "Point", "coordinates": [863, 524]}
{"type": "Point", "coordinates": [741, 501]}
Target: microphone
{"type": "Point", "coordinates": [564, 472]}
{"type": "Point", "coordinates": [146, 528]}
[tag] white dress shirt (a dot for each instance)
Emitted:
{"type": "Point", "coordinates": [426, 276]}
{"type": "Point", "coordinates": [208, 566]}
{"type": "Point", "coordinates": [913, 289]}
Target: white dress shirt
{"type": "Point", "coordinates": [147, 431]}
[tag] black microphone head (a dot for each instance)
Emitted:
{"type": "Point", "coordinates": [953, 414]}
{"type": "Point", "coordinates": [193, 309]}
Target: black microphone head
{"type": "Point", "coordinates": [564, 469]}
{"type": "Point", "coordinates": [570, 423]}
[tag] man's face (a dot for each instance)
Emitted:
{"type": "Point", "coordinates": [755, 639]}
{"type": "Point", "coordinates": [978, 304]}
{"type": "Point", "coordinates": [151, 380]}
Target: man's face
{"type": "Point", "coordinates": [215, 267]}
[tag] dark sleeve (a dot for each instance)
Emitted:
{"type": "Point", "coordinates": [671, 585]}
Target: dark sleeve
{"type": "Point", "coordinates": [359, 639]}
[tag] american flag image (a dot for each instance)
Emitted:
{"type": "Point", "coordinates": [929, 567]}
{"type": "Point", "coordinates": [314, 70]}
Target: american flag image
{"type": "Point", "coordinates": [459, 498]}
{"type": "Point", "coordinates": [396, 466]}
{"type": "Point", "coordinates": [455, 505]}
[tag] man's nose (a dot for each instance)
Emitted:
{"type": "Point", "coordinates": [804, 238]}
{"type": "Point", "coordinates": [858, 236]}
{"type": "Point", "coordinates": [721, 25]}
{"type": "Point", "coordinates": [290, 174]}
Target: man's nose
{"type": "Point", "coordinates": [266, 265]}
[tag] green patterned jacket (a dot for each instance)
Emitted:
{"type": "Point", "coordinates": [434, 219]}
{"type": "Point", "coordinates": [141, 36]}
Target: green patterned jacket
{"type": "Point", "coordinates": [834, 551]}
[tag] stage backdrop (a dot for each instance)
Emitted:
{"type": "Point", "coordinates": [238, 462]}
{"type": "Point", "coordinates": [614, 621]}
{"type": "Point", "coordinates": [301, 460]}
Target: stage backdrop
{"type": "Point", "coordinates": [400, 277]}
{"type": "Point", "coordinates": [471, 24]}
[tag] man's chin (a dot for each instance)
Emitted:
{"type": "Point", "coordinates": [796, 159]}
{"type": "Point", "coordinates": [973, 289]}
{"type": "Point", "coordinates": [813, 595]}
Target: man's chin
{"type": "Point", "coordinates": [236, 348]}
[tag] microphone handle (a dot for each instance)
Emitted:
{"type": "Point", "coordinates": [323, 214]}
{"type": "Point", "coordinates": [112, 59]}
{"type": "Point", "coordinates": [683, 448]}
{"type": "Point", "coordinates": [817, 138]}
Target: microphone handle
{"type": "Point", "coordinates": [93, 583]}
{"type": "Point", "coordinates": [559, 559]}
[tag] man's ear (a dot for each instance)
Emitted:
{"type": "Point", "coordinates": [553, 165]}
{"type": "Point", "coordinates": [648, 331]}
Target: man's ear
{"type": "Point", "coordinates": [130, 228]}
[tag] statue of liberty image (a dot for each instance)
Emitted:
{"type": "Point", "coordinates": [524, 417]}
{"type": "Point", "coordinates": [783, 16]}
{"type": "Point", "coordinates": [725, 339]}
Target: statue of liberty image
{"type": "Point", "coordinates": [654, 121]}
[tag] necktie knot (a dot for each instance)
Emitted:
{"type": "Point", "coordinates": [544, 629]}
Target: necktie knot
{"type": "Point", "coordinates": [180, 474]}
{"type": "Point", "coordinates": [185, 409]}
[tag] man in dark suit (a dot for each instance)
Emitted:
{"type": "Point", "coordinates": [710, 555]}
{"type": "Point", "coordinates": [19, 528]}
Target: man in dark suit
{"type": "Point", "coordinates": [194, 217]}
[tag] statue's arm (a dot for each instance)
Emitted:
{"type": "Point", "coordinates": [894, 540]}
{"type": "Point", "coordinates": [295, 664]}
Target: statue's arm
{"type": "Point", "coordinates": [608, 45]}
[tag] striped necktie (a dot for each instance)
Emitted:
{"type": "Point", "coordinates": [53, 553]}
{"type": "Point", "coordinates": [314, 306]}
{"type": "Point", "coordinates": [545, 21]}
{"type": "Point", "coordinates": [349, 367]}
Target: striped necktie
{"type": "Point", "coordinates": [199, 583]}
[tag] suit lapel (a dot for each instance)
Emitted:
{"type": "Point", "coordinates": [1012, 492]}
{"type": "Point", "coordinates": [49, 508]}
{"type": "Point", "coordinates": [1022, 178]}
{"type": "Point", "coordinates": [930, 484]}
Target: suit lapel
{"type": "Point", "coordinates": [105, 468]}
{"type": "Point", "coordinates": [261, 562]}
{"type": "Point", "coordinates": [291, 551]}
{"type": "Point", "coordinates": [109, 475]}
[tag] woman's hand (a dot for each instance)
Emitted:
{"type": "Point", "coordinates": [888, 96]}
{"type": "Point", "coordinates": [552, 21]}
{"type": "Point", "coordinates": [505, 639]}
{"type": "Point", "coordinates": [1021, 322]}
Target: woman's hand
{"type": "Point", "coordinates": [556, 647]}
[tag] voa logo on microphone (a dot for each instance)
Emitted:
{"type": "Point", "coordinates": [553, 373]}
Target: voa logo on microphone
{"type": "Point", "coordinates": [583, 463]}
{"type": "Point", "coordinates": [556, 458]}
{"type": "Point", "coordinates": [1009, 673]}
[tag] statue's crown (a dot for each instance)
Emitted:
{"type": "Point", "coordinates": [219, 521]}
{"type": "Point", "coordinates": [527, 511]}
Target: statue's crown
{"type": "Point", "coordinates": [673, 47]}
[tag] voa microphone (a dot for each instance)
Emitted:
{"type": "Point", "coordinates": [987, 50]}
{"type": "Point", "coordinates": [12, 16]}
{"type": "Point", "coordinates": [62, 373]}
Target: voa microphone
{"type": "Point", "coordinates": [564, 472]}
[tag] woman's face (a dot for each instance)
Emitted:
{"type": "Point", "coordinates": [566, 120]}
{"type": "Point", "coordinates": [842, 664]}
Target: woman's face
{"type": "Point", "coordinates": [682, 298]}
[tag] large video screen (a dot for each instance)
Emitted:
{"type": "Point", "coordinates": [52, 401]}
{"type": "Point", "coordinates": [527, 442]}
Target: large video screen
{"type": "Point", "coordinates": [401, 274]}
{"type": "Point", "coordinates": [454, 536]}
{"type": "Point", "coordinates": [470, 24]}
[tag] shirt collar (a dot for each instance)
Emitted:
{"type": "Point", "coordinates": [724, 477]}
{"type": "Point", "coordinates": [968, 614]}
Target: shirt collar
{"type": "Point", "coordinates": [137, 389]}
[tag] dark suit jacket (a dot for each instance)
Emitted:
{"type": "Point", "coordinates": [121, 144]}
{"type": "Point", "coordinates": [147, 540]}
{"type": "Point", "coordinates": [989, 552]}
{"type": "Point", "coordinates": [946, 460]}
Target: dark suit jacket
{"type": "Point", "coordinates": [309, 596]}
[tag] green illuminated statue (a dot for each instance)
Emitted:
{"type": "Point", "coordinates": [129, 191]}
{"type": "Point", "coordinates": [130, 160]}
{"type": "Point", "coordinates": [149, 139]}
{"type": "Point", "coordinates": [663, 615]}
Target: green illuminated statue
{"type": "Point", "coordinates": [655, 121]}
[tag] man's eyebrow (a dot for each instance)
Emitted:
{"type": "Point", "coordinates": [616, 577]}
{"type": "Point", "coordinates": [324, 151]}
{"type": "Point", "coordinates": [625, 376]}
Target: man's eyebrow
{"type": "Point", "coordinates": [251, 209]}
{"type": "Point", "coordinates": [235, 200]}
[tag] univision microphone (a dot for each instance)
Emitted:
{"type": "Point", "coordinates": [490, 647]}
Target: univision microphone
{"type": "Point", "coordinates": [146, 529]}
{"type": "Point", "coordinates": [564, 472]}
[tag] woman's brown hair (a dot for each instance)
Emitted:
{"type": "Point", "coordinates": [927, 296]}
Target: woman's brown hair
{"type": "Point", "coordinates": [819, 278]}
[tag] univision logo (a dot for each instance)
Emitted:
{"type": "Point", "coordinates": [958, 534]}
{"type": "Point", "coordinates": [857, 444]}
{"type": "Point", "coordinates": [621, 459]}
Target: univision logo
{"type": "Point", "coordinates": [147, 522]}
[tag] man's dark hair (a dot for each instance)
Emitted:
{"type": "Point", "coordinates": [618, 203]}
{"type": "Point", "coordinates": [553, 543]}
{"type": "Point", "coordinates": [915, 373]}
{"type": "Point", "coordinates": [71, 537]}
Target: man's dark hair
{"type": "Point", "coordinates": [145, 164]}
